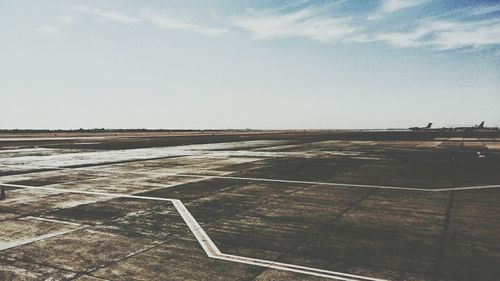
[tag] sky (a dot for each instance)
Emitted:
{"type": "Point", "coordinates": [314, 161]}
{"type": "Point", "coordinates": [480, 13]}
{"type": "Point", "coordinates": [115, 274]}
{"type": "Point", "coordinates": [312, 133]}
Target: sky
{"type": "Point", "coordinates": [249, 64]}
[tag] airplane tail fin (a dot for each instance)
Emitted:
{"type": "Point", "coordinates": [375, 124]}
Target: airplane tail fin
{"type": "Point", "coordinates": [429, 125]}
{"type": "Point", "coordinates": [481, 125]}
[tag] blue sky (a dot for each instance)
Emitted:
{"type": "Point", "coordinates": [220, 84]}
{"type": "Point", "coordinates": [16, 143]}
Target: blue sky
{"type": "Point", "coordinates": [249, 64]}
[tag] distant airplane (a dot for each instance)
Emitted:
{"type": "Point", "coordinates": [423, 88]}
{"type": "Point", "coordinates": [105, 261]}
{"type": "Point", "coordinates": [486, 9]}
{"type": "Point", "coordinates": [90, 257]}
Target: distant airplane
{"type": "Point", "coordinates": [422, 128]}
{"type": "Point", "coordinates": [476, 127]}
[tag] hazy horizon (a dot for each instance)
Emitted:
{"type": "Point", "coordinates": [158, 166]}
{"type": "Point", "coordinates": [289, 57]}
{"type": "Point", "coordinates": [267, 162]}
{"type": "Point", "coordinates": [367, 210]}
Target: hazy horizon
{"type": "Point", "coordinates": [243, 129]}
{"type": "Point", "coordinates": [258, 65]}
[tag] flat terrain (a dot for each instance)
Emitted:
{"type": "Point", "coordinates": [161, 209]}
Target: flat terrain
{"type": "Point", "coordinates": [278, 205]}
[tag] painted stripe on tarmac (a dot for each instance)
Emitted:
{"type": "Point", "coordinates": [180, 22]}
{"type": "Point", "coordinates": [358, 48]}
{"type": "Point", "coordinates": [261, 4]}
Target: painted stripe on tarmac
{"type": "Point", "coordinates": [336, 184]}
{"type": "Point", "coordinates": [50, 220]}
{"type": "Point", "coordinates": [207, 244]}
{"type": "Point", "coordinates": [469, 187]}
{"type": "Point", "coordinates": [6, 246]}
{"type": "Point", "coordinates": [299, 182]}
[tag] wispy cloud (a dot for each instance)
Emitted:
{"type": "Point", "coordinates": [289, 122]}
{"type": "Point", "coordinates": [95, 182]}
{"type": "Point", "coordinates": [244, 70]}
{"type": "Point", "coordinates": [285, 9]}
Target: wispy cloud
{"type": "Point", "coordinates": [162, 21]}
{"type": "Point", "coordinates": [391, 6]}
{"type": "Point", "coordinates": [467, 28]}
{"type": "Point", "coordinates": [477, 35]}
{"type": "Point", "coordinates": [48, 30]}
{"type": "Point", "coordinates": [306, 23]}
{"type": "Point", "coordinates": [483, 10]}
{"type": "Point", "coordinates": [109, 15]}
{"type": "Point", "coordinates": [169, 22]}
{"type": "Point", "coordinates": [444, 35]}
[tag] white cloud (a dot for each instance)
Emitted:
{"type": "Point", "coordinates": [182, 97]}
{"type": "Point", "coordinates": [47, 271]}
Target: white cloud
{"type": "Point", "coordinates": [161, 21]}
{"type": "Point", "coordinates": [391, 6]}
{"type": "Point", "coordinates": [48, 30]}
{"type": "Point", "coordinates": [445, 35]}
{"type": "Point", "coordinates": [483, 10]}
{"type": "Point", "coordinates": [305, 23]}
{"type": "Point", "coordinates": [318, 24]}
{"type": "Point", "coordinates": [468, 36]}
{"type": "Point", "coordinates": [109, 15]}
{"type": "Point", "coordinates": [415, 38]}
{"type": "Point", "coordinates": [169, 22]}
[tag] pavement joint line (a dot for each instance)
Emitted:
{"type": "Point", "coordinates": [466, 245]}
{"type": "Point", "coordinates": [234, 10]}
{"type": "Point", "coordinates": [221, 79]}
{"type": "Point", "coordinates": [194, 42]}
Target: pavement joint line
{"type": "Point", "coordinates": [211, 250]}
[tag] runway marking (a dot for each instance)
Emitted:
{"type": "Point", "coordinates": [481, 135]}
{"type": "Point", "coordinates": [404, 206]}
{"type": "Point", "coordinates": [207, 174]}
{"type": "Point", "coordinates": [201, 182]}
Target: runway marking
{"type": "Point", "coordinates": [388, 187]}
{"type": "Point", "coordinates": [206, 243]}
{"type": "Point", "coordinates": [298, 182]}
{"type": "Point", "coordinates": [50, 220]}
{"type": "Point", "coordinates": [469, 187]}
{"type": "Point", "coordinates": [17, 243]}
{"type": "Point", "coordinates": [338, 184]}
{"type": "Point", "coordinates": [333, 183]}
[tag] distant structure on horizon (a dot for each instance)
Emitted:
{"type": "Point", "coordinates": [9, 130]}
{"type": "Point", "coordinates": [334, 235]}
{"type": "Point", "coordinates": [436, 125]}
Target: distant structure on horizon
{"type": "Point", "coordinates": [429, 125]}
{"type": "Point", "coordinates": [479, 127]}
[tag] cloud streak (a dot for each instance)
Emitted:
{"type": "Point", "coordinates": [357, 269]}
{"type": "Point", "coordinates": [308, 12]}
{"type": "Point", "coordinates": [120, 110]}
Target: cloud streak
{"type": "Point", "coordinates": [445, 35]}
{"type": "Point", "coordinates": [169, 22]}
{"type": "Point", "coordinates": [162, 21]}
{"type": "Point", "coordinates": [484, 10]}
{"type": "Point", "coordinates": [391, 6]}
{"type": "Point", "coordinates": [305, 23]}
{"type": "Point", "coordinates": [112, 16]}
{"type": "Point", "coordinates": [320, 24]}
{"type": "Point", "coordinates": [323, 24]}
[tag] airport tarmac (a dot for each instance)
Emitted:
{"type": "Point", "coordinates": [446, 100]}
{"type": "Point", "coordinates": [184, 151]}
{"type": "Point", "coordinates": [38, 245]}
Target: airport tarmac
{"type": "Point", "coordinates": [320, 205]}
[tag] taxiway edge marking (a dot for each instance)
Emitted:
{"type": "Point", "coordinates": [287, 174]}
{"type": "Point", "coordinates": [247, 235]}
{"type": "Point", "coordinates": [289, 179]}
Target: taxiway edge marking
{"type": "Point", "coordinates": [207, 244]}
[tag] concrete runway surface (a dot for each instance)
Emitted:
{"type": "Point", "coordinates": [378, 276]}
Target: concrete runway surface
{"type": "Point", "coordinates": [282, 205]}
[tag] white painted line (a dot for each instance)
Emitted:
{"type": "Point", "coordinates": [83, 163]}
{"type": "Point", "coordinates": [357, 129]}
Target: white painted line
{"type": "Point", "coordinates": [207, 244]}
{"type": "Point", "coordinates": [50, 220]}
{"type": "Point", "coordinates": [469, 187]}
{"type": "Point", "coordinates": [334, 184]}
{"type": "Point", "coordinates": [200, 234]}
{"type": "Point", "coordinates": [299, 182]}
{"type": "Point", "coordinates": [274, 266]}
{"type": "Point", "coordinates": [296, 268]}
{"type": "Point", "coordinates": [17, 243]}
